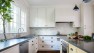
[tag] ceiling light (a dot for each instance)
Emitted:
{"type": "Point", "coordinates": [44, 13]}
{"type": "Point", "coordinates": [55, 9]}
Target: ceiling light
{"type": "Point", "coordinates": [75, 8]}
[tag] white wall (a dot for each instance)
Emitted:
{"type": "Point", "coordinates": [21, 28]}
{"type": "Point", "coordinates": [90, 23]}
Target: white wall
{"type": "Point", "coordinates": [87, 19]}
{"type": "Point", "coordinates": [63, 28]}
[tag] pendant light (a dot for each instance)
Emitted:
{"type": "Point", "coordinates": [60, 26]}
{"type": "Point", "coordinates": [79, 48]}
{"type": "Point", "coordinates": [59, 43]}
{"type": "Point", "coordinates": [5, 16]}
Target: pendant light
{"type": "Point", "coordinates": [75, 8]}
{"type": "Point", "coordinates": [86, 1]}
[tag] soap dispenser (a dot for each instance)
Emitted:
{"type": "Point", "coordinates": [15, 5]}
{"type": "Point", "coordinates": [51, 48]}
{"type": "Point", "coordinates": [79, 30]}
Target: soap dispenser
{"type": "Point", "coordinates": [58, 33]}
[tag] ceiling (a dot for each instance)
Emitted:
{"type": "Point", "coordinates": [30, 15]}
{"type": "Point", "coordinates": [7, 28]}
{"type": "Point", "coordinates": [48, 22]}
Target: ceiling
{"type": "Point", "coordinates": [53, 2]}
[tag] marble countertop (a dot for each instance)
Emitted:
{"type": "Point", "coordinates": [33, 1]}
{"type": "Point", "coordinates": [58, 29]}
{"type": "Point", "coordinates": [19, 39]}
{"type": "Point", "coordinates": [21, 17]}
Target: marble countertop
{"type": "Point", "coordinates": [87, 46]}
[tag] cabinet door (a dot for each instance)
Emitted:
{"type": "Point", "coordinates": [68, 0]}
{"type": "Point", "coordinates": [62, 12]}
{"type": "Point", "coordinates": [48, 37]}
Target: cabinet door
{"type": "Point", "coordinates": [50, 15]}
{"type": "Point", "coordinates": [31, 46]}
{"type": "Point", "coordinates": [36, 44]}
{"type": "Point", "coordinates": [76, 22]}
{"type": "Point", "coordinates": [33, 17]}
{"type": "Point", "coordinates": [14, 49]}
{"type": "Point", "coordinates": [80, 51]}
{"type": "Point", "coordinates": [72, 49]}
{"type": "Point", "coordinates": [41, 17]}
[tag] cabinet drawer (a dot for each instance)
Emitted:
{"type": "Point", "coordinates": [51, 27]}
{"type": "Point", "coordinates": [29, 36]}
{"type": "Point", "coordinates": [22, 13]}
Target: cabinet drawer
{"type": "Point", "coordinates": [48, 38]}
{"type": "Point", "coordinates": [49, 47]}
{"type": "Point", "coordinates": [49, 42]}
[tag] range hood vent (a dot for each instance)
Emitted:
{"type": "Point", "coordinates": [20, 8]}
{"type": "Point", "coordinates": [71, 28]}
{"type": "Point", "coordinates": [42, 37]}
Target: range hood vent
{"type": "Point", "coordinates": [64, 22]}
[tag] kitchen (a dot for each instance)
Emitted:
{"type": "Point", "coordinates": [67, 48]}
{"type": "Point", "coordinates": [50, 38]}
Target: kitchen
{"type": "Point", "coordinates": [49, 26]}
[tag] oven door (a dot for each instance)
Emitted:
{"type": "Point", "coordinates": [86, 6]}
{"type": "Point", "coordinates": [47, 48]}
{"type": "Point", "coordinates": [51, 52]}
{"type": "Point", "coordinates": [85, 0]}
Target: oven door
{"type": "Point", "coordinates": [64, 47]}
{"type": "Point", "coordinates": [64, 50]}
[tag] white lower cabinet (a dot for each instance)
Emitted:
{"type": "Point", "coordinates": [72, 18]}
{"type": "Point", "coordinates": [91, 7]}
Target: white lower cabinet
{"type": "Point", "coordinates": [33, 45]}
{"type": "Point", "coordinates": [48, 43]}
{"type": "Point", "coordinates": [14, 49]}
{"type": "Point", "coordinates": [73, 49]}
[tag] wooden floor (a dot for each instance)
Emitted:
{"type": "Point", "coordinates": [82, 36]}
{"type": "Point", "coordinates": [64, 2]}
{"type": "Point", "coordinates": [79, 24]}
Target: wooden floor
{"type": "Point", "coordinates": [48, 52]}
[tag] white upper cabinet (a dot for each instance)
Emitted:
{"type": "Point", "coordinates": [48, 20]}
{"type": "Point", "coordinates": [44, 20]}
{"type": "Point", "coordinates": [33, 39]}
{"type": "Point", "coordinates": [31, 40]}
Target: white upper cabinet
{"type": "Point", "coordinates": [76, 22]}
{"type": "Point", "coordinates": [42, 17]}
{"type": "Point", "coordinates": [87, 18]}
{"type": "Point", "coordinates": [50, 17]}
{"type": "Point", "coordinates": [33, 17]}
{"type": "Point", "coordinates": [64, 15]}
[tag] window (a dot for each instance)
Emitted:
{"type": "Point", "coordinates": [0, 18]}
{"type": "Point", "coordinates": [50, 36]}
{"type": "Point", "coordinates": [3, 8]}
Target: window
{"type": "Point", "coordinates": [19, 21]}
{"type": "Point", "coordinates": [1, 25]}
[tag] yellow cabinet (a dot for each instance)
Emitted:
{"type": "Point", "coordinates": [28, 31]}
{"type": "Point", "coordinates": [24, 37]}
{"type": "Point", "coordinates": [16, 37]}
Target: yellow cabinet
{"type": "Point", "coordinates": [72, 49]}
{"type": "Point", "coordinates": [80, 51]}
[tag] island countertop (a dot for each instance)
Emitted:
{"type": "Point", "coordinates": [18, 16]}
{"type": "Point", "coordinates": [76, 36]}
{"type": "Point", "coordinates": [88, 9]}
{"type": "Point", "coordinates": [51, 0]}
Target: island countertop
{"type": "Point", "coordinates": [87, 46]}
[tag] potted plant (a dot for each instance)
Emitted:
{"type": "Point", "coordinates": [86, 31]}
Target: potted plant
{"type": "Point", "coordinates": [5, 12]}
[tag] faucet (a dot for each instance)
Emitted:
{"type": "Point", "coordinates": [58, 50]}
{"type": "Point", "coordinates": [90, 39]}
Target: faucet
{"type": "Point", "coordinates": [19, 30]}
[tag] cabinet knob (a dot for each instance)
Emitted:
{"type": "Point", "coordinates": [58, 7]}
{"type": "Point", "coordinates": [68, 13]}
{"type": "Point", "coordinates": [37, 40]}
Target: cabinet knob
{"type": "Point", "coordinates": [42, 46]}
{"type": "Point", "coordinates": [51, 46]}
{"type": "Point", "coordinates": [32, 44]}
{"type": "Point", "coordinates": [42, 41]}
{"type": "Point", "coordinates": [71, 49]}
{"type": "Point", "coordinates": [52, 41]}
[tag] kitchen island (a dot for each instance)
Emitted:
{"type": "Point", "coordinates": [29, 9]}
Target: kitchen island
{"type": "Point", "coordinates": [87, 46]}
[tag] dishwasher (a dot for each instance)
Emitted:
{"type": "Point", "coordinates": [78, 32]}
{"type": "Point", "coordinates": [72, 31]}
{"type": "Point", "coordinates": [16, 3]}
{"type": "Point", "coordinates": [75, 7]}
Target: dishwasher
{"type": "Point", "coordinates": [24, 47]}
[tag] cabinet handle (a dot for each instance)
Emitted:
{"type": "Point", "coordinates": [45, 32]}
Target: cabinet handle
{"type": "Point", "coordinates": [32, 41]}
{"type": "Point", "coordinates": [52, 41]}
{"type": "Point", "coordinates": [32, 44]}
{"type": "Point", "coordinates": [58, 39]}
{"type": "Point", "coordinates": [51, 46]}
{"type": "Point", "coordinates": [42, 41]}
{"type": "Point", "coordinates": [71, 49]}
